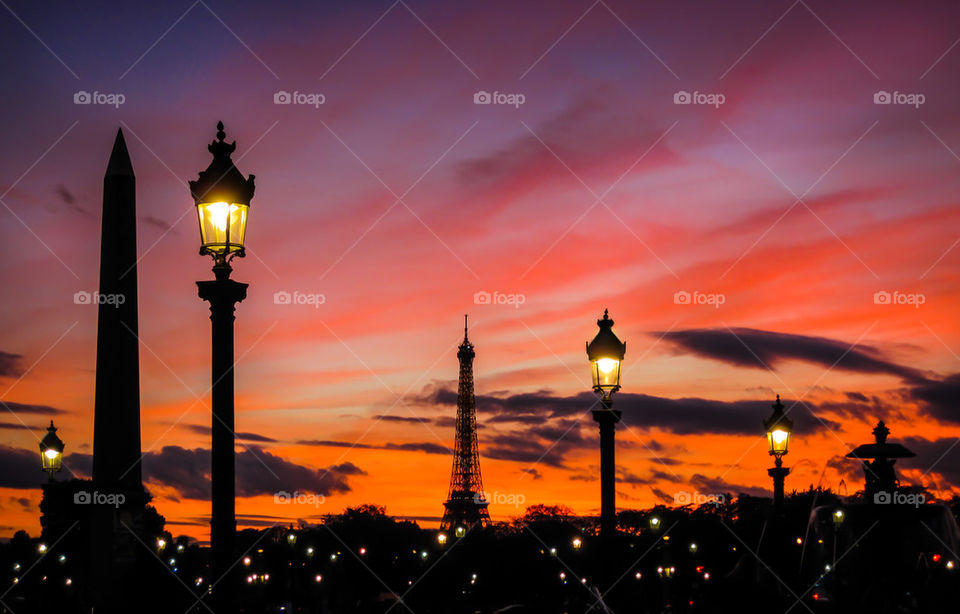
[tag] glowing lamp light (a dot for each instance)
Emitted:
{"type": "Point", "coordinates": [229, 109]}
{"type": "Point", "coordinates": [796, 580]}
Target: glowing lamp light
{"type": "Point", "coordinates": [605, 353]}
{"type": "Point", "coordinates": [950, 564]}
{"type": "Point", "coordinates": [222, 197]}
{"type": "Point", "coordinates": [246, 561]}
{"type": "Point", "coordinates": [577, 542]}
{"type": "Point", "coordinates": [460, 531]}
{"type": "Point", "coordinates": [161, 543]}
{"type": "Point", "coordinates": [318, 578]}
{"type": "Point", "coordinates": [42, 548]}
{"type": "Point", "coordinates": [51, 451]}
{"type": "Point", "coordinates": [654, 523]}
{"type": "Point", "coordinates": [693, 547]}
{"type": "Point", "coordinates": [779, 428]}
{"type": "Point", "coordinates": [838, 517]}
{"type": "Point", "coordinates": [441, 538]}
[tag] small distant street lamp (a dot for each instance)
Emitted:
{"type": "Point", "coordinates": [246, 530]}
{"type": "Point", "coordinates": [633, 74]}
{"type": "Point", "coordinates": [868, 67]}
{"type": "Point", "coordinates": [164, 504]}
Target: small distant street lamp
{"type": "Point", "coordinates": [654, 522]}
{"type": "Point", "coordinates": [51, 451]}
{"type": "Point", "coordinates": [606, 353]}
{"type": "Point", "coordinates": [222, 197]}
{"type": "Point", "coordinates": [779, 429]}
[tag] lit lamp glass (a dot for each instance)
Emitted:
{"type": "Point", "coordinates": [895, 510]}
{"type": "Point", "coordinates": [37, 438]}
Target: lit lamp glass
{"type": "Point", "coordinates": [779, 428]}
{"type": "Point", "coordinates": [51, 451]}
{"type": "Point", "coordinates": [222, 227]}
{"type": "Point", "coordinates": [779, 440]}
{"type": "Point", "coordinates": [606, 353]}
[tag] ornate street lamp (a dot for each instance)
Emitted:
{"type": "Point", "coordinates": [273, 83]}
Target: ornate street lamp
{"type": "Point", "coordinates": [222, 197]}
{"type": "Point", "coordinates": [779, 429]}
{"type": "Point", "coordinates": [606, 353]}
{"type": "Point", "coordinates": [51, 451]}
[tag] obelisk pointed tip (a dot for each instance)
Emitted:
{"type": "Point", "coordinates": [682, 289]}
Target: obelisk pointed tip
{"type": "Point", "coordinates": [119, 164]}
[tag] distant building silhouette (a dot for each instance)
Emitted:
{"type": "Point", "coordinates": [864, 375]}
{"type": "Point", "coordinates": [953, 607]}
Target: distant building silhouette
{"type": "Point", "coordinates": [466, 503]}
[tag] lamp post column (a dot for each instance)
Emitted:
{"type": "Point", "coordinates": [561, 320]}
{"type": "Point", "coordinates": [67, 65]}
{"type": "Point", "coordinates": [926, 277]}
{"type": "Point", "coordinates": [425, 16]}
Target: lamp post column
{"type": "Point", "coordinates": [778, 473]}
{"type": "Point", "coordinates": [607, 418]}
{"type": "Point", "coordinates": [223, 294]}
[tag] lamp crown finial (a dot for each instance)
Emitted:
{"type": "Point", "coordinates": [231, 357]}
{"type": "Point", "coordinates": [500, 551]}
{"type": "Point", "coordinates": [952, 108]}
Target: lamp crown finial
{"type": "Point", "coordinates": [220, 148]}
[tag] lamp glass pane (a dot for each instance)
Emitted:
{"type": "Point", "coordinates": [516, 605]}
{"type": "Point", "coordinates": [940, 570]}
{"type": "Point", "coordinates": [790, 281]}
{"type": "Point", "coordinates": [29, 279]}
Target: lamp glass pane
{"type": "Point", "coordinates": [606, 373]}
{"type": "Point", "coordinates": [222, 226]}
{"type": "Point", "coordinates": [51, 458]}
{"type": "Point", "coordinates": [778, 439]}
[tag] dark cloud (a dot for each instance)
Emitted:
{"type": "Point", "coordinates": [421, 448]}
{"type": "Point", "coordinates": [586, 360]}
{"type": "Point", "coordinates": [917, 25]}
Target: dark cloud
{"type": "Point", "coordinates": [30, 408]}
{"type": "Point", "coordinates": [156, 222]}
{"type": "Point", "coordinates": [935, 457]}
{"type": "Point", "coordinates": [683, 416]}
{"type": "Point", "coordinates": [536, 475]}
{"type": "Point", "coordinates": [205, 430]}
{"type": "Point", "coordinates": [10, 365]}
{"type": "Point", "coordinates": [20, 426]}
{"type": "Point", "coordinates": [718, 486]}
{"type": "Point", "coordinates": [259, 472]}
{"type": "Point", "coordinates": [387, 418]}
{"type": "Point", "coordinates": [546, 443]}
{"type": "Point", "coordinates": [70, 201]}
{"type": "Point", "coordinates": [760, 349]}
{"type": "Point", "coordinates": [421, 446]}
{"type": "Point", "coordinates": [938, 398]}
{"type": "Point", "coordinates": [20, 468]}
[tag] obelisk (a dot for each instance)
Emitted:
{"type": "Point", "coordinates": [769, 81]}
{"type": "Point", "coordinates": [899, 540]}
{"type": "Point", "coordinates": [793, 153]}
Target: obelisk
{"type": "Point", "coordinates": [116, 429]}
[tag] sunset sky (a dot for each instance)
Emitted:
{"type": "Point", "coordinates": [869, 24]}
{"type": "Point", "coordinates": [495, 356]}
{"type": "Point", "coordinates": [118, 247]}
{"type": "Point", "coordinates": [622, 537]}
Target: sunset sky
{"type": "Point", "coordinates": [784, 211]}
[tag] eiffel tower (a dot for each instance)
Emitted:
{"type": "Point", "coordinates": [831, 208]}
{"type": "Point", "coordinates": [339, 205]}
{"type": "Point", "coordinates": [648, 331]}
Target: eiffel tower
{"type": "Point", "coordinates": [466, 503]}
